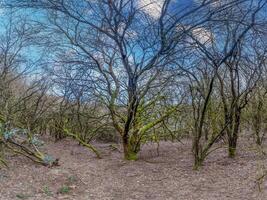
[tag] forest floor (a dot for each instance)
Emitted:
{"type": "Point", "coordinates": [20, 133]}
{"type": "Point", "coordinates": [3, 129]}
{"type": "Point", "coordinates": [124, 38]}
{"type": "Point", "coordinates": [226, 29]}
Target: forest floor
{"type": "Point", "coordinates": [166, 176]}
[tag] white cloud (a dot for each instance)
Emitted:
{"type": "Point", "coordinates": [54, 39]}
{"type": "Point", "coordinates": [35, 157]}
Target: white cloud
{"type": "Point", "coordinates": [203, 35]}
{"type": "Point", "coordinates": [151, 7]}
{"type": "Point", "coordinates": [130, 33]}
{"type": "Point", "coordinates": [214, 3]}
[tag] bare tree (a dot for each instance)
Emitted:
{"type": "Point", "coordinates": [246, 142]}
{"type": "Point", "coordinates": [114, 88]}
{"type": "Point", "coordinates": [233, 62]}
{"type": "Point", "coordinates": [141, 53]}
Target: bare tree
{"type": "Point", "coordinates": [17, 89]}
{"type": "Point", "coordinates": [125, 47]}
{"type": "Point", "coordinates": [219, 67]}
{"type": "Point", "coordinates": [240, 72]}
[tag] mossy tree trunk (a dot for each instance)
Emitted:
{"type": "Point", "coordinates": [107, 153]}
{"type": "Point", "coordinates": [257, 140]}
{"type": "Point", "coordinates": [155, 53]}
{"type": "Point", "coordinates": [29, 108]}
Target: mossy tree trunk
{"type": "Point", "coordinates": [129, 152]}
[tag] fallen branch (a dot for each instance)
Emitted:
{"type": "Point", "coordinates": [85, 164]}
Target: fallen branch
{"type": "Point", "coordinates": [35, 156]}
{"type": "Point", "coordinates": [89, 146]}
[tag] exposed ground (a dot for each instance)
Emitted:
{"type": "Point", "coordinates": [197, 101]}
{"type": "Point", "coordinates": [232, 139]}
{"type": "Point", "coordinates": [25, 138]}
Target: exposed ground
{"type": "Point", "coordinates": [81, 176]}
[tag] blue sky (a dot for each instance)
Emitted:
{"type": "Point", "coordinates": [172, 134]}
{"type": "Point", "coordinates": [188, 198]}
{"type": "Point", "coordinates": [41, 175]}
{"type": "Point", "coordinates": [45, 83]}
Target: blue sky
{"type": "Point", "coordinates": [178, 5]}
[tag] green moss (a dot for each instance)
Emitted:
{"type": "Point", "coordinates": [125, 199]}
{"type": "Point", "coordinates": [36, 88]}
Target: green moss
{"type": "Point", "coordinates": [231, 152]}
{"type": "Point", "coordinates": [198, 163]}
{"type": "Point", "coordinates": [196, 167]}
{"type": "Point", "coordinates": [131, 156]}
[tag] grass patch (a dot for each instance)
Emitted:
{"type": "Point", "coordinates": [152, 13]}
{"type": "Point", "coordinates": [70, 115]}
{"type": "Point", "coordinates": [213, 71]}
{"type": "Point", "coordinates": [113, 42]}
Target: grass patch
{"type": "Point", "coordinates": [47, 191]}
{"type": "Point", "coordinates": [64, 189]}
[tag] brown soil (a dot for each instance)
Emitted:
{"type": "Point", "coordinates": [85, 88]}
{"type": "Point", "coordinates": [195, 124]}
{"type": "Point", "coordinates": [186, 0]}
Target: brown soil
{"type": "Point", "coordinates": [81, 176]}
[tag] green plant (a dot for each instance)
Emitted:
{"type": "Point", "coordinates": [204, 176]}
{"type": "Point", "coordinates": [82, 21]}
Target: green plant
{"type": "Point", "coordinates": [64, 189]}
{"type": "Point", "coordinates": [22, 196]}
{"type": "Point", "coordinates": [47, 191]}
{"type": "Point", "coordinates": [72, 179]}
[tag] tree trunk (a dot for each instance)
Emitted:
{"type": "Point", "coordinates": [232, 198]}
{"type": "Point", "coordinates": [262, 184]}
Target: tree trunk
{"type": "Point", "coordinates": [257, 122]}
{"type": "Point", "coordinates": [197, 150]}
{"type": "Point", "coordinates": [233, 135]}
{"type": "Point", "coordinates": [197, 160]}
{"type": "Point", "coordinates": [129, 153]}
{"type": "Point", "coordinates": [128, 149]}
{"type": "Point", "coordinates": [232, 143]}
